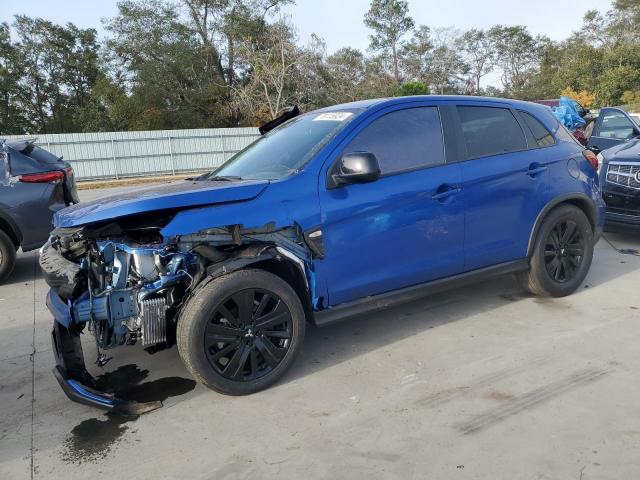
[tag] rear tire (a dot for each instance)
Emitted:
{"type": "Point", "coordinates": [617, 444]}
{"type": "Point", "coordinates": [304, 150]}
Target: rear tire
{"type": "Point", "coordinates": [241, 332]}
{"type": "Point", "coordinates": [562, 253]}
{"type": "Point", "coordinates": [7, 256]}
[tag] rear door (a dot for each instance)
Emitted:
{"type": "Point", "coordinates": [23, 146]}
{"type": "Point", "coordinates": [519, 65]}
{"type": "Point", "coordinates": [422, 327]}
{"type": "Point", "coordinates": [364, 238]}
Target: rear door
{"type": "Point", "coordinates": [505, 184]}
{"type": "Point", "coordinates": [405, 228]}
{"type": "Point", "coordinates": [613, 127]}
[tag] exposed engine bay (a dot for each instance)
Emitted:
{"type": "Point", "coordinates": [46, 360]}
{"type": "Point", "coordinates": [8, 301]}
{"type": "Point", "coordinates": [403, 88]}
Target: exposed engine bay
{"type": "Point", "coordinates": [127, 285]}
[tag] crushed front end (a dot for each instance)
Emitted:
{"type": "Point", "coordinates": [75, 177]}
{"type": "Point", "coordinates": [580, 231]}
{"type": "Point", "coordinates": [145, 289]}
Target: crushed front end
{"type": "Point", "coordinates": [121, 289]}
{"type": "Point", "coordinates": [126, 285]}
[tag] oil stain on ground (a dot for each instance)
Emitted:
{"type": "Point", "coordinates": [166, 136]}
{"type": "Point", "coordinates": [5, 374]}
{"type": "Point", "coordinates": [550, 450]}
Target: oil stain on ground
{"type": "Point", "coordinates": [92, 440]}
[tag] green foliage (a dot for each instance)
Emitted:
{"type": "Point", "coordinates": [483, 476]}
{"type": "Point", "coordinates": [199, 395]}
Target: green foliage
{"type": "Point", "coordinates": [412, 88]}
{"type": "Point", "coordinates": [390, 21]}
{"type": "Point", "coordinates": [212, 63]}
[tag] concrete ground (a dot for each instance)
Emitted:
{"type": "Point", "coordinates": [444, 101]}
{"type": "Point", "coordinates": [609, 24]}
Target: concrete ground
{"type": "Point", "coordinates": [479, 383]}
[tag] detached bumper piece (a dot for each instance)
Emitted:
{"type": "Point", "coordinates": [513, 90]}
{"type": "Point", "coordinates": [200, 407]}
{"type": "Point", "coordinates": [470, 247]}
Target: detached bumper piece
{"type": "Point", "coordinates": [79, 385]}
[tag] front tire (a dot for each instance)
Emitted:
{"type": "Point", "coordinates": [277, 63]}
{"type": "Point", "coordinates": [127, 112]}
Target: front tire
{"type": "Point", "coordinates": [7, 256]}
{"type": "Point", "coordinates": [562, 253]}
{"type": "Point", "coordinates": [241, 332]}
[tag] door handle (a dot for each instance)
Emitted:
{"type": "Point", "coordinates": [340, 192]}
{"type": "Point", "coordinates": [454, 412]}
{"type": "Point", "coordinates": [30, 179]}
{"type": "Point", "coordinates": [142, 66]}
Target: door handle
{"type": "Point", "coordinates": [532, 172]}
{"type": "Point", "coordinates": [445, 191]}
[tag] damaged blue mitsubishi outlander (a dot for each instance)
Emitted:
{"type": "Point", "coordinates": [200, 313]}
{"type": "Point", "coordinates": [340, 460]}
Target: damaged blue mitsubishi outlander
{"type": "Point", "coordinates": [330, 214]}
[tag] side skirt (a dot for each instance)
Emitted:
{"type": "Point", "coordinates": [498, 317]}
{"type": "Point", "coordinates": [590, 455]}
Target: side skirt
{"type": "Point", "coordinates": [390, 299]}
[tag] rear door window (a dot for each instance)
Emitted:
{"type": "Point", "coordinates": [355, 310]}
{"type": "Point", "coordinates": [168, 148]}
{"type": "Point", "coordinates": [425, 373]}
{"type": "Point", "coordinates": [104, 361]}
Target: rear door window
{"type": "Point", "coordinates": [490, 131]}
{"type": "Point", "coordinates": [403, 140]}
{"type": "Point", "coordinates": [542, 136]}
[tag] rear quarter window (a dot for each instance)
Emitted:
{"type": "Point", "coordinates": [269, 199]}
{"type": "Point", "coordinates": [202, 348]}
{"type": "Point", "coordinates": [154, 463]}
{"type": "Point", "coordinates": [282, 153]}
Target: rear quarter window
{"type": "Point", "coordinates": [490, 131]}
{"type": "Point", "coordinates": [540, 133]}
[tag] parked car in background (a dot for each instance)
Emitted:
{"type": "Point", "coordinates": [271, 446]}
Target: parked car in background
{"type": "Point", "coordinates": [332, 214]}
{"type": "Point", "coordinates": [612, 127]}
{"type": "Point", "coordinates": [620, 184]}
{"type": "Point", "coordinates": [34, 184]}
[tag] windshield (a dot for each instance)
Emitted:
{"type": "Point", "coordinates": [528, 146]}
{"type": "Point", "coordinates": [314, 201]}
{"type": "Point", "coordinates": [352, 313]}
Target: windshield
{"type": "Point", "coordinates": [286, 149]}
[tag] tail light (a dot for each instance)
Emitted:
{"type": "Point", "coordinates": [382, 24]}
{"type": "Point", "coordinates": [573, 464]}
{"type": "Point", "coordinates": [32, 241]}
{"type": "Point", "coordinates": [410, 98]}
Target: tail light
{"type": "Point", "coordinates": [591, 158]}
{"type": "Point", "coordinates": [44, 177]}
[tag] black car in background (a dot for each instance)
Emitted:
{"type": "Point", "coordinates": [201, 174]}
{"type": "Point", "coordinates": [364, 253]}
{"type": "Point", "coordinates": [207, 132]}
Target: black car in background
{"type": "Point", "coordinates": [612, 127]}
{"type": "Point", "coordinates": [620, 182]}
{"type": "Point", "coordinates": [34, 184]}
{"type": "Point", "coordinates": [615, 140]}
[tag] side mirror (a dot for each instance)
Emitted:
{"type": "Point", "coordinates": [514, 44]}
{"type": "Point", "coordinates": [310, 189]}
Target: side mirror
{"type": "Point", "coordinates": [355, 167]}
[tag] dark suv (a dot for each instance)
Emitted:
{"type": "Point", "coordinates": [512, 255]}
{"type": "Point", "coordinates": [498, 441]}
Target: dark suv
{"type": "Point", "coordinates": [34, 184]}
{"type": "Point", "coordinates": [616, 139]}
{"type": "Point", "coordinates": [334, 213]}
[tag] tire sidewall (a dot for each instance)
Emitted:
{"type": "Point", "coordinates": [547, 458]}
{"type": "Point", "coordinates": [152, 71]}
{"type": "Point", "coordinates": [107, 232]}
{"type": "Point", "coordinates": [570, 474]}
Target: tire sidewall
{"type": "Point", "coordinates": [538, 266]}
{"type": "Point", "coordinates": [198, 311]}
{"type": "Point", "coordinates": [8, 250]}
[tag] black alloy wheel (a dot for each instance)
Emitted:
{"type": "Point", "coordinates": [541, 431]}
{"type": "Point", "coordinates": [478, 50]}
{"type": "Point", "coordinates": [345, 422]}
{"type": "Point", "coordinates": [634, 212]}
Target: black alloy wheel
{"type": "Point", "coordinates": [241, 332]}
{"type": "Point", "coordinates": [564, 251]}
{"type": "Point", "coordinates": [248, 334]}
{"type": "Point", "coordinates": [561, 254]}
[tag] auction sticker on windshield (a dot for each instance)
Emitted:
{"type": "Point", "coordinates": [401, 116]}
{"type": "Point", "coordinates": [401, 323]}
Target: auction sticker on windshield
{"type": "Point", "coordinates": [333, 116]}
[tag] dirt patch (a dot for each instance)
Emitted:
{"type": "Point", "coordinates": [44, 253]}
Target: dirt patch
{"type": "Point", "coordinates": [500, 396]}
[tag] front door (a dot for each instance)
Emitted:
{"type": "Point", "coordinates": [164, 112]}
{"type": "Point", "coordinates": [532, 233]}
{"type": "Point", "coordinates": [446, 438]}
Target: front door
{"type": "Point", "coordinates": [405, 228]}
{"type": "Point", "coordinates": [613, 127]}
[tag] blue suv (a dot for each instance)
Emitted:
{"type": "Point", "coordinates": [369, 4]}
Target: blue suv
{"type": "Point", "coordinates": [330, 214]}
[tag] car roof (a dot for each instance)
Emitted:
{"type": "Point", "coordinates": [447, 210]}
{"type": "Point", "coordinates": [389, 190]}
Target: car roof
{"type": "Point", "coordinates": [364, 104]}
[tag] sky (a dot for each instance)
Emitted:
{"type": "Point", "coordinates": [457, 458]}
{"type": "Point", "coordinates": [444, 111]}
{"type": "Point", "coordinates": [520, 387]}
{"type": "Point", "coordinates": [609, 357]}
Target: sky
{"type": "Point", "coordinates": [339, 22]}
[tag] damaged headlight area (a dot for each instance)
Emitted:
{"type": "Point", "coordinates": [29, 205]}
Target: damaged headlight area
{"type": "Point", "coordinates": [128, 290]}
{"type": "Point", "coordinates": [129, 286]}
{"type": "Point", "coordinates": [122, 290]}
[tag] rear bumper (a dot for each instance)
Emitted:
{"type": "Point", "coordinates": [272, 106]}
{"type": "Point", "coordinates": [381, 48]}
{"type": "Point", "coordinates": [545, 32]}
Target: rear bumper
{"type": "Point", "coordinates": [70, 372]}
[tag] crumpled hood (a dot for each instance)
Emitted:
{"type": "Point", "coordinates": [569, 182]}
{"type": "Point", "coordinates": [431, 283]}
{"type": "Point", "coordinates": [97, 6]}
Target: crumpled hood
{"type": "Point", "coordinates": [178, 195]}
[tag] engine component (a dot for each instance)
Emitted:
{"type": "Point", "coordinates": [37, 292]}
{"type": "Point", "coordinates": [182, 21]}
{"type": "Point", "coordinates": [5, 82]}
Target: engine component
{"type": "Point", "coordinates": [153, 313]}
{"type": "Point", "coordinates": [115, 305]}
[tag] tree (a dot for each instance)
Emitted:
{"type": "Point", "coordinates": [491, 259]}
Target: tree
{"type": "Point", "coordinates": [59, 66]}
{"type": "Point", "coordinates": [583, 97]}
{"type": "Point", "coordinates": [276, 78]}
{"type": "Point", "coordinates": [390, 21]}
{"type": "Point", "coordinates": [412, 88]}
{"type": "Point", "coordinates": [346, 73]}
{"type": "Point", "coordinates": [12, 117]}
{"type": "Point", "coordinates": [517, 56]}
{"type": "Point", "coordinates": [479, 54]}
{"type": "Point", "coordinates": [446, 67]}
{"type": "Point", "coordinates": [415, 54]}
{"type": "Point", "coordinates": [222, 24]}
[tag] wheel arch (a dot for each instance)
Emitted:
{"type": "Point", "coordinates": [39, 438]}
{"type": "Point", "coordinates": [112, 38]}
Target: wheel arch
{"type": "Point", "coordinates": [8, 226]}
{"type": "Point", "coordinates": [580, 200]}
{"type": "Point", "coordinates": [271, 260]}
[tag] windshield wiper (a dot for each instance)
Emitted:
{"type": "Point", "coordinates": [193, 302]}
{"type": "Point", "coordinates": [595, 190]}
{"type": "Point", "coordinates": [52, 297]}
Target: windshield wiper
{"type": "Point", "coordinates": [224, 178]}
